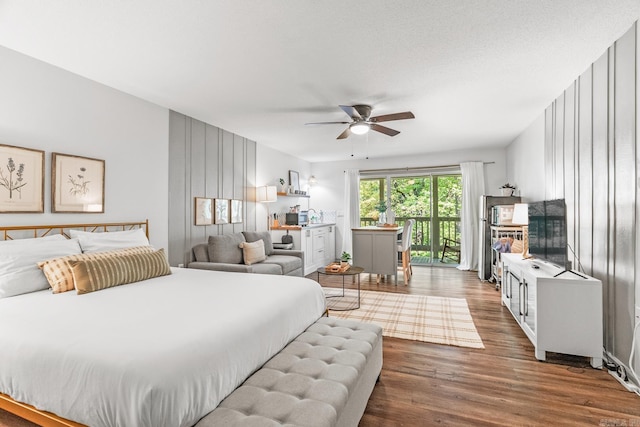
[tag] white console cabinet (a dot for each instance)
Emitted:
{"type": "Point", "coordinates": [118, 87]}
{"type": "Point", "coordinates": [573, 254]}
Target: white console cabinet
{"type": "Point", "coordinates": [559, 311]}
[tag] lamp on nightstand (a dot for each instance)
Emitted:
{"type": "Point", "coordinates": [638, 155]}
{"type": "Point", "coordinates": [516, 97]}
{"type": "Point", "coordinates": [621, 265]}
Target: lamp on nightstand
{"type": "Point", "coordinates": [267, 194]}
{"type": "Point", "coordinates": [521, 217]}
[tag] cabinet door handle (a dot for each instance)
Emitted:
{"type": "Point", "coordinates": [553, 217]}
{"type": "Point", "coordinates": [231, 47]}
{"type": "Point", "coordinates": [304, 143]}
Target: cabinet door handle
{"type": "Point", "coordinates": [520, 293]}
{"type": "Point", "coordinates": [526, 298]}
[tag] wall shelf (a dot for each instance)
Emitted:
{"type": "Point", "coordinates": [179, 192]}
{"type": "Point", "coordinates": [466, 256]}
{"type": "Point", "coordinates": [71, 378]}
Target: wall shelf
{"type": "Point", "coordinates": [293, 195]}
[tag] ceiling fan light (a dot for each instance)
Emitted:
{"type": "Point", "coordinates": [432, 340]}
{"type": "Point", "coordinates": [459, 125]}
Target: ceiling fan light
{"type": "Point", "coordinates": [359, 128]}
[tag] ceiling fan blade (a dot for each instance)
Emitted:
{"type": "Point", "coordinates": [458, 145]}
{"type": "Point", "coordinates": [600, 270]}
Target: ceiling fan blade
{"type": "Point", "coordinates": [344, 134]}
{"type": "Point", "coordinates": [390, 117]}
{"type": "Point", "coordinates": [328, 123]}
{"type": "Point", "coordinates": [351, 112]}
{"type": "Point", "coordinates": [384, 129]}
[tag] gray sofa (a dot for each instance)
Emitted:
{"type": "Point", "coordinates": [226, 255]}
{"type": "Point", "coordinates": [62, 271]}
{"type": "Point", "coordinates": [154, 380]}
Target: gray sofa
{"type": "Point", "coordinates": [223, 253]}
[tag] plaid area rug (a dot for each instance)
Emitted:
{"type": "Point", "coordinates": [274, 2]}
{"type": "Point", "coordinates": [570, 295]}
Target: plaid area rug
{"type": "Point", "coordinates": [437, 320]}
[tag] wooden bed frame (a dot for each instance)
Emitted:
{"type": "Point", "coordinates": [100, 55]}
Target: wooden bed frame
{"type": "Point", "coordinates": [22, 410]}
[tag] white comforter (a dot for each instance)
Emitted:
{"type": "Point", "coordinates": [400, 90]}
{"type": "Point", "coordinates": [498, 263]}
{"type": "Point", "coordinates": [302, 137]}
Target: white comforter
{"type": "Point", "coordinates": [163, 352]}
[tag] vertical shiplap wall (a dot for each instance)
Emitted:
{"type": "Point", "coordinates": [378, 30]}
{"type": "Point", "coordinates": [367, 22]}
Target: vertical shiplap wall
{"type": "Point", "coordinates": [206, 161]}
{"type": "Point", "coordinates": [590, 154]}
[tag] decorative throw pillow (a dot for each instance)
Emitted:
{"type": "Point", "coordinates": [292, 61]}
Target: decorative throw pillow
{"type": "Point", "coordinates": [253, 252]}
{"type": "Point", "coordinates": [19, 272]}
{"type": "Point", "coordinates": [225, 249]}
{"type": "Point", "coordinates": [108, 241]}
{"type": "Point", "coordinates": [92, 275]}
{"type": "Point", "coordinates": [60, 275]}
{"type": "Point", "coordinates": [254, 236]}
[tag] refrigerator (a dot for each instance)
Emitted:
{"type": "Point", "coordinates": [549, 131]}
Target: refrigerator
{"type": "Point", "coordinates": [486, 203]}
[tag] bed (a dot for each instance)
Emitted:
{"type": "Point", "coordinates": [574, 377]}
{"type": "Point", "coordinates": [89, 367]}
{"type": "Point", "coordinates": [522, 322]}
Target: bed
{"type": "Point", "coordinates": [158, 352]}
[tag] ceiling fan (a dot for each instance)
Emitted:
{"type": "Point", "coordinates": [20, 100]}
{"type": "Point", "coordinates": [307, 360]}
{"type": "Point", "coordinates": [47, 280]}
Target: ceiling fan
{"type": "Point", "coordinates": [362, 121]}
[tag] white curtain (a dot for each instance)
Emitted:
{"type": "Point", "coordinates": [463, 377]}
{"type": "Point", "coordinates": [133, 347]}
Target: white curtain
{"type": "Point", "coordinates": [472, 189]}
{"type": "Point", "coordinates": [352, 207]}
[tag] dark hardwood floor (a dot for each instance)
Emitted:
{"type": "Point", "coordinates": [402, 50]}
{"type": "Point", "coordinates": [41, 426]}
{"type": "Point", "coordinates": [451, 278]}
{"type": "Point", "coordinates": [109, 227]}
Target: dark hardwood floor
{"type": "Point", "coordinates": [503, 384]}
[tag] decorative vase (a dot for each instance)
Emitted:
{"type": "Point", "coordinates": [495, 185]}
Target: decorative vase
{"type": "Point", "coordinates": [382, 219]}
{"type": "Point", "coordinates": [506, 192]}
{"type": "Point", "coordinates": [344, 263]}
{"type": "Point", "coordinates": [283, 188]}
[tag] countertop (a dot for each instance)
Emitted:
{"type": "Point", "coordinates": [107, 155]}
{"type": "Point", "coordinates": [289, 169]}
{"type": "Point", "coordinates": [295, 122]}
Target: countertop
{"type": "Point", "coordinates": [298, 227]}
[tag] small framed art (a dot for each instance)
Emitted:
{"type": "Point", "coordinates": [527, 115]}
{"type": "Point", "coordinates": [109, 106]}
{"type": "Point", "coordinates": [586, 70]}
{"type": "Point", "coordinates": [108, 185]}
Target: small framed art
{"type": "Point", "coordinates": [77, 184]}
{"type": "Point", "coordinates": [236, 211]}
{"type": "Point", "coordinates": [221, 215]}
{"type": "Point", "coordinates": [21, 180]}
{"type": "Point", "coordinates": [294, 180]}
{"type": "Point", "coordinates": [203, 210]}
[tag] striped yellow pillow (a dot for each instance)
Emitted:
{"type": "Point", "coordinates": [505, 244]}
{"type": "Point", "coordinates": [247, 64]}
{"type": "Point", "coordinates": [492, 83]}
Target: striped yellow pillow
{"type": "Point", "coordinates": [58, 271]}
{"type": "Point", "coordinates": [92, 275]}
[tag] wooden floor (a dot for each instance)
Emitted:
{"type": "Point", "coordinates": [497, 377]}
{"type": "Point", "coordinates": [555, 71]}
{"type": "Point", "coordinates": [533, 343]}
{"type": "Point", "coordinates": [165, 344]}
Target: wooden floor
{"type": "Point", "coordinates": [501, 385]}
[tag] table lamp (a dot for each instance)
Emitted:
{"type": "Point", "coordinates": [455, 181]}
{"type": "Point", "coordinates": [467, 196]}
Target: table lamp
{"type": "Point", "coordinates": [521, 217]}
{"type": "Point", "coordinates": [267, 194]}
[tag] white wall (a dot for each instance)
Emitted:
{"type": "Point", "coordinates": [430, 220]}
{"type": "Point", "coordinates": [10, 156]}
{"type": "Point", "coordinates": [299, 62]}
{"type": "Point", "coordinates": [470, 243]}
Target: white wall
{"type": "Point", "coordinates": [525, 162]}
{"type": "Point", "coordinates": [271, 166]}
{"type": "Point", "coordinates": [328, 193]}
{"type": "Point", "coordinates": [46, 108]}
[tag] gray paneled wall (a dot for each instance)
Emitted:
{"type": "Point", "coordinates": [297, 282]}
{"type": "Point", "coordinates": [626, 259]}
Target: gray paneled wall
{"type": "Point", "coordinates": [591, 157]}
{"type": "Point", "coordinates": [206, 161]}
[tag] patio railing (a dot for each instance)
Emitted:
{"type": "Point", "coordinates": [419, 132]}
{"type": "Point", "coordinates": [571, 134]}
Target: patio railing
{"type": "Point", "coordinates": [421, 238]}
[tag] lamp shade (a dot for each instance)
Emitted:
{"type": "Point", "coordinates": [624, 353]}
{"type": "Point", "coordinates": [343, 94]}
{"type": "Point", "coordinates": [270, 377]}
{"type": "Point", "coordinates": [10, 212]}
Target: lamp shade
{"type": "Point", "coordinates": [520, 214]}
{"type": "Point", "coordinates": [266, 194]}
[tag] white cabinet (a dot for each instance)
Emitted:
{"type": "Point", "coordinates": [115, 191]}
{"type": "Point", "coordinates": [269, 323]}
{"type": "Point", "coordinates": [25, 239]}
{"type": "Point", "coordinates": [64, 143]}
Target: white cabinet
{"type": "Point", "coordinates": [318, 243]}
{"type": "Point", "coordinates": [559, 311]}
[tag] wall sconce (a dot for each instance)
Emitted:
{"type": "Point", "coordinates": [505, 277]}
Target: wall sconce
{"type": "Point", "coordinates": [312, 180]}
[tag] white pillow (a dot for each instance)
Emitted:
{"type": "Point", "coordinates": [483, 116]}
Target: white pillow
{"type": "Point", "coordinates": [108, 241]}
{"type": "Point", "coordinates": [19, 272]}
{"type": "Point", "coordinates": [253, 252]}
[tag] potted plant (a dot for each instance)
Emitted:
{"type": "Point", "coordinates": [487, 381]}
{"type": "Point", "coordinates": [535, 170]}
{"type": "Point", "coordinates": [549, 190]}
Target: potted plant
{"type": "Point", "coordinates": [344, 259]}
{"type": "Point", "coordinates": [508, 189]}
{"type": "Point", "coordinates": [283, 188]}
{"type": "Point", "coordinates": [381, 207]}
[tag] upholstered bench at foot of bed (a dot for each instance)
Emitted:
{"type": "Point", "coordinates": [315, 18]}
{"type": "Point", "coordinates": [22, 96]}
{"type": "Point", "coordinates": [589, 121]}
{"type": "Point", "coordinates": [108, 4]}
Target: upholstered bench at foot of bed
{"type": "Point", "coordinates": [322, 378]}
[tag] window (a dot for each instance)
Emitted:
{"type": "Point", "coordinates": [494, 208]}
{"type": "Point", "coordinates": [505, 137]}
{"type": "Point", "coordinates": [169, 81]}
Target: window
{"type": "Point", "coordinates": [433, 200]}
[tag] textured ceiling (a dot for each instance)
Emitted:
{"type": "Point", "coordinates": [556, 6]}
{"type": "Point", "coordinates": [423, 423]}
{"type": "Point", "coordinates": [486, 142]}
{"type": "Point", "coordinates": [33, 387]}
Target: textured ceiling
{"type": "Point", "coordinates": [475, 73]}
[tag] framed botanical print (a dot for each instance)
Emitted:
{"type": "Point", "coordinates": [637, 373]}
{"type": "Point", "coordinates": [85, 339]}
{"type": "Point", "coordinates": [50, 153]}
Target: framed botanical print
{"type": "Point", "coordinates": [21, 180]}
{"type": "Point", "coordinates": [236, 211]}
{"type": "Point", "coordinates": [77, 184]}
{"type": "Point", "coordinates": [221, 214]}
{"type": "Point", "coordinates": [203, 209]}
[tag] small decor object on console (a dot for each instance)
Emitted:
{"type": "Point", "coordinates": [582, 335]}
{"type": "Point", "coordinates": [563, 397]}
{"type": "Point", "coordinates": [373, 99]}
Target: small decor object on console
{"type": "Point", "coordinates": [77, 184]}
{"type": "Point", "coordinates": [21, 180]}
{"type": "Point", "coordinates": [381, 207]}
{"type": "Point", "coordinates": [507, 190]}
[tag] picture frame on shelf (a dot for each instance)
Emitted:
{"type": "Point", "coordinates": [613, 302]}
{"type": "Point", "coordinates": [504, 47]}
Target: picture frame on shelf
{"type": "Point", "coordinates": [203, 211]}
{"type": "Point", "coordinates": [221, 211]}
{"type": "Point", "coordinates": [294, 181]}
{"type": "Point", "coordinates": [236, 211]}
{"type": "Point", "coordinates": [77, 184]}
{"type": "Point", "coordinates": [21, 180]}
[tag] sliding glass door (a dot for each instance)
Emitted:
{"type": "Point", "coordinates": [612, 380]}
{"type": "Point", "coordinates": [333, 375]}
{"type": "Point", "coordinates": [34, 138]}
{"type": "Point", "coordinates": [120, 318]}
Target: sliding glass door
{"type": "Point", "coordinates": [433, 200]}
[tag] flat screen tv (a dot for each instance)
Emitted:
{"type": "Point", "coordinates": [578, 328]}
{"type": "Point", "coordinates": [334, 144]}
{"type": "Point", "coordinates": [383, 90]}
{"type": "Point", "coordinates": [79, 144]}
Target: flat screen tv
{"type": "Point", "coordinates": [548, 231]}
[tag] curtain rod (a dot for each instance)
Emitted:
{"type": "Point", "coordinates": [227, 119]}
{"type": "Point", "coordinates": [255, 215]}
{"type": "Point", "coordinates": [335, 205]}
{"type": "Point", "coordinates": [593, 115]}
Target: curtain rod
{"type": "Point", "coordinates": [408, 169]}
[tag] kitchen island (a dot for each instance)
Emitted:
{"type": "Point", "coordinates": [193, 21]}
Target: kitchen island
{"type": "Point", "coordinates": [375, 249]}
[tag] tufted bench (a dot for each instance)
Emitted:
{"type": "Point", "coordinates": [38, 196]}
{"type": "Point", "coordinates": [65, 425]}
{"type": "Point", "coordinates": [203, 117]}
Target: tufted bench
{"type": "Point", "coordinates": [322, 378]}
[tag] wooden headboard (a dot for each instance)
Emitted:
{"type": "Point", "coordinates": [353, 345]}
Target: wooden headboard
{"type": "Point", "coordinates": [27, 231]}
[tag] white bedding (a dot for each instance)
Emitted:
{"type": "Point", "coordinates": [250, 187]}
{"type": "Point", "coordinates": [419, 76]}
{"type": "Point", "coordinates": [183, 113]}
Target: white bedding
{"type": "Point", "coordinates": [162, 352]}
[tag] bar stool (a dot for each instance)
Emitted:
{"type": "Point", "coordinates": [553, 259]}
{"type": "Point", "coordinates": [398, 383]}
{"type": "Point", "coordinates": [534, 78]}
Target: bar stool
{"type": "Point", "coordinates": [404, 248]}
